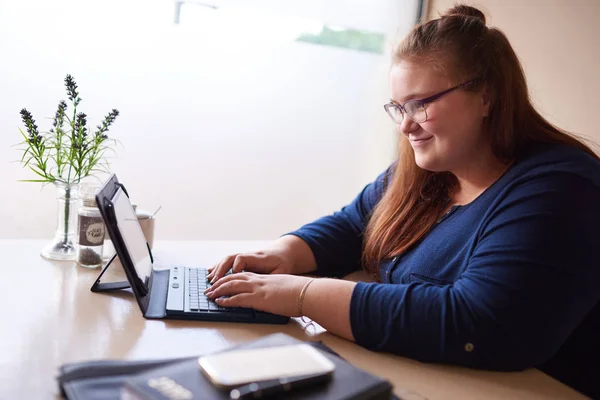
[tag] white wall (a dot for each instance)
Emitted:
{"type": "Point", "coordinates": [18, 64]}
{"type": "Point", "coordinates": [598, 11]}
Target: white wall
{"type": "Point", "coordinates": [369, 15]}
{"type": "Point", "coordinates": [235, 133]}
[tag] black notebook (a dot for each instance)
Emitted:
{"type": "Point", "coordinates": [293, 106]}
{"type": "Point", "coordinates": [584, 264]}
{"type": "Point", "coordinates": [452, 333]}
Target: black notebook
{"type": "Point", "coordinates": [131, 381]}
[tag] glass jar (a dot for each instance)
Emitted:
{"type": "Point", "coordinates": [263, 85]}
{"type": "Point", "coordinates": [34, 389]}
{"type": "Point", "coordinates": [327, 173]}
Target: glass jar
{"type": "Point", "coordinates": [108, 249]}
{"type": "Point", "coordinates": [91, 229]}
{"type": "Point", "coordinates": [146, 220]}
{"type": "Point", "coordinates": [63, 247]}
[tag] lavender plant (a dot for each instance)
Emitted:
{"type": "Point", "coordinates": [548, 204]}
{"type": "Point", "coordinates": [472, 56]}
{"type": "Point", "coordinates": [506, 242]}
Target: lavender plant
{"type": "Point", "coordinates": [69, 151]}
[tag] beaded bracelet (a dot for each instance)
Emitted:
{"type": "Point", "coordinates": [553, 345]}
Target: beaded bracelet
{"type": "Point", "coordinates": [301, 297]}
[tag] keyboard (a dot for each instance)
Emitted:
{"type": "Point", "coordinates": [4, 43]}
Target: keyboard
{"type": "Point", "coordinates": [186, 300]}
{"type": "Point", "coordinates": [198, 301]}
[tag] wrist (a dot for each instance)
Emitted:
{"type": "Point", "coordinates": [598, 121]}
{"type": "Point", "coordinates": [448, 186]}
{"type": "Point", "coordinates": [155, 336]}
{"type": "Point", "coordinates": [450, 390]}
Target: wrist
{"type": "Point", "coordinates": [300, 302]}
{"type": "Point", "coordinates": [332, 313]}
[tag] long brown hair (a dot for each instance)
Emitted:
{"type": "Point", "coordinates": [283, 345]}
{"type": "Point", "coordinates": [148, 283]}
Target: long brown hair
{"type": "Point", "coordinates": [416, 198]}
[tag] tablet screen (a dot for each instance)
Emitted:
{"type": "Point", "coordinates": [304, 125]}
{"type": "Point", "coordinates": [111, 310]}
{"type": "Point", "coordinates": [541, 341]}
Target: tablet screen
{"type": "Point", "coordinates": [132, 234]}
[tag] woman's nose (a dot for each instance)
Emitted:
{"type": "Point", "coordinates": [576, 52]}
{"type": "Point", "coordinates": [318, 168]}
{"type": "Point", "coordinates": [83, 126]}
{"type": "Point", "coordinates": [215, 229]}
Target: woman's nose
{"type": "Point", "coordinates": [408, 125]}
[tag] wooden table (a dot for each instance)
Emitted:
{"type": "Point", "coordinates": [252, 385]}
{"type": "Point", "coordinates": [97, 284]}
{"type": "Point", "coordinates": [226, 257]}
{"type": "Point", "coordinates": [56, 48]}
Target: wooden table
{"type": "Point", "coordinates": [50, 317]}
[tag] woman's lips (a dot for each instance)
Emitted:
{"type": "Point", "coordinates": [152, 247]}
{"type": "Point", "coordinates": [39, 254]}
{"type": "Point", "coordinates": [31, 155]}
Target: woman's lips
{"type": "Point", "coordinates": [419, 141]}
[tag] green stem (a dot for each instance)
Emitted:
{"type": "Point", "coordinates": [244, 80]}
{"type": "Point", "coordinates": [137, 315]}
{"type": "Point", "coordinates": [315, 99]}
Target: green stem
{"type": "Point", "coordinates": [67, 209]}
{"type": "Point", "coordinates": [71, 153]}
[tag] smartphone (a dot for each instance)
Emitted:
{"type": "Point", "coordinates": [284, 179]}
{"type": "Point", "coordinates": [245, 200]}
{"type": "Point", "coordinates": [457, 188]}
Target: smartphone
{"type": "Point", "coordinates": [239, 367]}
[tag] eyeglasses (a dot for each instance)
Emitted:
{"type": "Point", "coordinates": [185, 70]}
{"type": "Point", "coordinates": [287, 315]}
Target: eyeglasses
{"type": "Point", "coordinates": [415, 109]}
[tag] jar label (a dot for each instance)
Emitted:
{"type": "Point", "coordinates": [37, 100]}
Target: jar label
{"type": "Point", "coordinates": [91, 231]}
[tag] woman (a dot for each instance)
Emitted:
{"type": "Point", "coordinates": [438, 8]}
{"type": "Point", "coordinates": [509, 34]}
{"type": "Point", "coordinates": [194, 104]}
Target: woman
{"type": "Point", "coordinates": [483, 236]}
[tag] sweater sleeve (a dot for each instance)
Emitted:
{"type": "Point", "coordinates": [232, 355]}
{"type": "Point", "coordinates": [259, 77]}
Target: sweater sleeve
{"type": "Point", "coordinates": [530, 281]}
{"type": "Point", "coordinates": [336, 239]}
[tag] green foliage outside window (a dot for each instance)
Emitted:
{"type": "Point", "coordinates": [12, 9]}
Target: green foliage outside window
{"type": "Point", "coordinates": [346, 38]}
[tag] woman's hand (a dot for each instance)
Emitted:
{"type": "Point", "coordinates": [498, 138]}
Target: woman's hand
{"type": "Point", "coordinates": [287, 255]}
{"type": "Point", "coordinates": [269, 261]}
{"type": "Point", "coordinates": [277, 294]}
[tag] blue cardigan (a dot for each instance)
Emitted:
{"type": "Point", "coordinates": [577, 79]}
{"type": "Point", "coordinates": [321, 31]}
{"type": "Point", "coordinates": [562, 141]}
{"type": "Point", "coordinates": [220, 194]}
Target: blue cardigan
{"type": "Point", "coordinates": [507, 282]}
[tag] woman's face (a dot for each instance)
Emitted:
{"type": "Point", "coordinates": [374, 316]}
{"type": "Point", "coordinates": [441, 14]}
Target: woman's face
{"type": "Point", "coordinates": [452, 136]}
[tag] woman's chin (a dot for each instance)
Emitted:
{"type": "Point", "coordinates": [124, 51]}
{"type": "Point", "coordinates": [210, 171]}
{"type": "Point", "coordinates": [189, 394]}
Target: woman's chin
{"type": "Point", "coordinates": [428, 163]}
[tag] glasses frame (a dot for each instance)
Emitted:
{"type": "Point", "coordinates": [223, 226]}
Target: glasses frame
{"type": "Point", "coordinates": [421, 102]}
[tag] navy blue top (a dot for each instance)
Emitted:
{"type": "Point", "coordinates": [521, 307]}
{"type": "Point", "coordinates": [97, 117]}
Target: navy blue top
{"type": "Point", "coordinates": [507, 282]}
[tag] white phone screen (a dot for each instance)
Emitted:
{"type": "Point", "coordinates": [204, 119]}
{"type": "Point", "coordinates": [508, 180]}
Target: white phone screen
{"type": "Point", "coordinates": [239, 367]}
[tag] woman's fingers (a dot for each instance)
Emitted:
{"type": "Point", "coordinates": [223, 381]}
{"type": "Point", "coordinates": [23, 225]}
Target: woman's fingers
{"type": "Point", "coordinates": [239, 300]}
{"type": "Point", "coordinates": [238, 263]}
{"type": "Point", "coordinates": [229, 285]}
{"type": "Point", "coordinates": [251, 262]}
{"type": "Point", "coordinates": [221, 268]}
{"type": "Point", "coordinates": [231, 288]}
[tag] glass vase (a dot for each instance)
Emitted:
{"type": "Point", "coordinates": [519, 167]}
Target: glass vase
{"type": "Point", "coordinates": [63, 246]}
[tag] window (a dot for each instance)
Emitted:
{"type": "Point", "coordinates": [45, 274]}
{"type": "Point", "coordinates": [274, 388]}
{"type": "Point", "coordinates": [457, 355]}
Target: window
{"type": "Point", "coordinates": [242, 119]}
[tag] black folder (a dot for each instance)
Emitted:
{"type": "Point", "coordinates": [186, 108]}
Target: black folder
{"type": "Point", "coordinates": [99, 380]}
